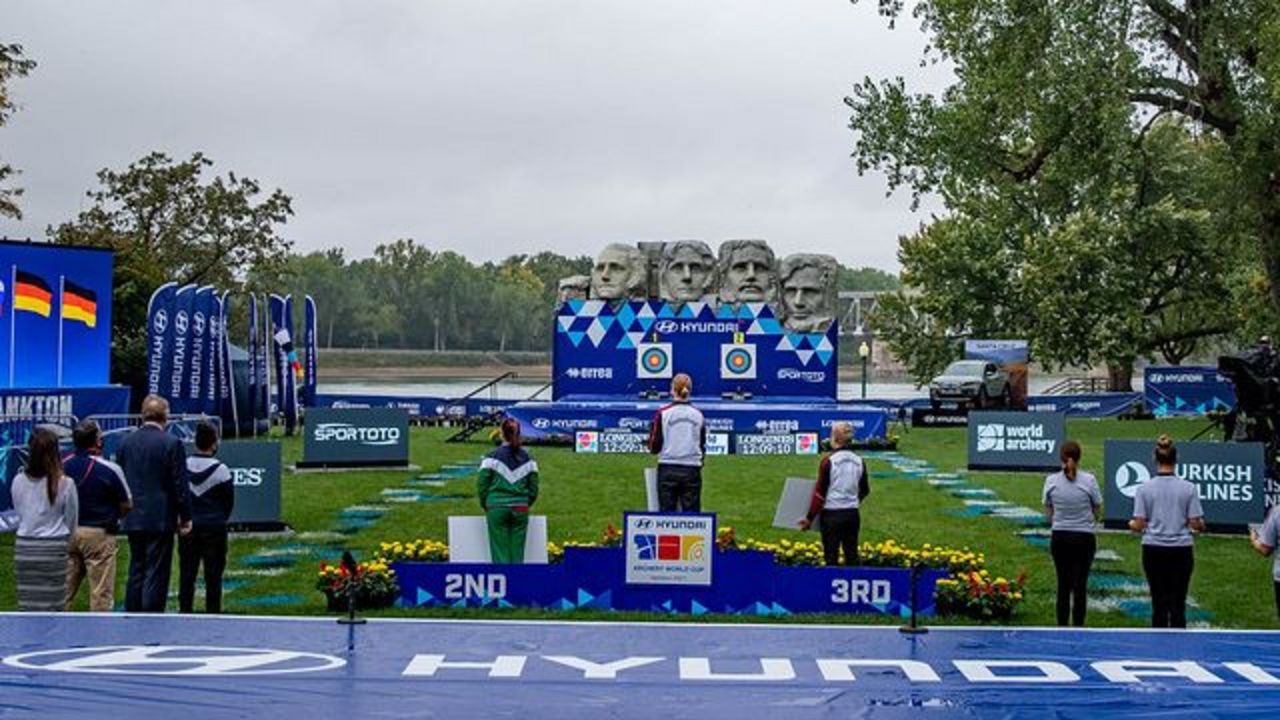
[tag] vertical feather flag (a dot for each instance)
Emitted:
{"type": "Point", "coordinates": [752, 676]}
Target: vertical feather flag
{"type": "Point", "coordinates": [309, 327]}
{"type": "Point", "coordinates": [160, 336]}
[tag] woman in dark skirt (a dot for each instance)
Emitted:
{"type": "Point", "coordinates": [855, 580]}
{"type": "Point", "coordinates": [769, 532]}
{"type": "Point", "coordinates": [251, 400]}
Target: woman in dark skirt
{"type": "Point", "coordinates": [47, 508]}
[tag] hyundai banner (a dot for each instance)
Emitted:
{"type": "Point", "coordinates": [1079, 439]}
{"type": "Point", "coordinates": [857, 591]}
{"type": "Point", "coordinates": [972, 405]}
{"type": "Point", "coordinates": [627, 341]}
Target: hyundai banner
{"type": "Point", "coordinates": [1186, 390]}
{"type": "Point", "coordinates": [1230, 478]}
{"type": "Point", "coordinates": [1000, 440]}
{"type": "Point", "coordinates": [160, 311]}
{"type": "Point", "coordinates": [356, 437]}
{"type": "Point", "coordinates": [256, 470]}
{"type": "Point", "coordinates": [669, 548]}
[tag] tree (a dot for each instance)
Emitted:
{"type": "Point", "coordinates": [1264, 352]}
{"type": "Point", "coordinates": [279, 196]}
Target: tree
{"type": "Point", "coordinates": [1043, 138]}
{"type": "Point", "coordinates": [166, 222]}
{"type": "Point", "coordinates": [13, 65]}
{"type": "Point", "coordinates": [867, 279]}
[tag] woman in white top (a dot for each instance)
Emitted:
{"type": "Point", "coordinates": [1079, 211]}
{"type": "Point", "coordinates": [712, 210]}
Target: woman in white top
{"type": "Point", "coordinates": [1073, 504]}
{"type": "Point", "coordinates": [47, 507]}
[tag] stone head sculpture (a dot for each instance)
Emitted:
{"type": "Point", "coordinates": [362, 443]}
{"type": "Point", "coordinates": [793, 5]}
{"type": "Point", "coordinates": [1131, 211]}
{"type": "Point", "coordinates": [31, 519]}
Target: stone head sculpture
{"type": "Point", "coordinates": [747, 271]}
{"type": "Point", "coordinates": [574, 287]}
{"type": "Point", "coordinates": [808, 292]}
{"type": "Point", "coordinates": [618, 274]}
{"type": "Point", "coordinates": [687, 271]}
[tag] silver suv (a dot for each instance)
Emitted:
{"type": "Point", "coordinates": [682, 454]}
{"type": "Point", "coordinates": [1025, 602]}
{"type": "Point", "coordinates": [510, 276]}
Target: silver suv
{"type": "Point", "coordinates": [976, 383]}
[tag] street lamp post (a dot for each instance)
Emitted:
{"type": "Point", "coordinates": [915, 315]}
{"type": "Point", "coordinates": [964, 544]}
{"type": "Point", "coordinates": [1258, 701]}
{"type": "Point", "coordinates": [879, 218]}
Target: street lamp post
{"type": "Point", "coordinates": [864, 352]}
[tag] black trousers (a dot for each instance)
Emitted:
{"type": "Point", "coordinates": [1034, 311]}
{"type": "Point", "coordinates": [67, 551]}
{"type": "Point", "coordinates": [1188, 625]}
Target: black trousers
{"type": "Point", "coordinates": [150, 563]}
{"type": "Point", "coordinates": [679, 488]}
{"type": "Point", "coordinates": [1072, 553]}
{"type": "Point", "coordinates": [1168, 571]}
{"type": "Point", "coordinates": [840, 530]}
{"type": "Point", "coordinates": [206, 546]}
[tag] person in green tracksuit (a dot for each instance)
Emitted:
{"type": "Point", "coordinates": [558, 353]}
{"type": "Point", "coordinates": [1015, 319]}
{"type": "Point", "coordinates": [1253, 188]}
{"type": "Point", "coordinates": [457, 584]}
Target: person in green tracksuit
{"type": "Point", "coordinates": [508, 485]}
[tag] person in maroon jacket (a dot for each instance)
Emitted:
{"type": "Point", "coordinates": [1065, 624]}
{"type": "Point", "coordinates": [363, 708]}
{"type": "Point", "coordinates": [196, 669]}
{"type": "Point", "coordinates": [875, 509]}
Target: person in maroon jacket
{"type": "Point", "coordinates": [842, 486]}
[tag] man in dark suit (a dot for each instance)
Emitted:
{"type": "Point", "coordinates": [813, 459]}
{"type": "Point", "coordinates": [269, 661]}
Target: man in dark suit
{"type": "Point", "coordinates": [155, 465]}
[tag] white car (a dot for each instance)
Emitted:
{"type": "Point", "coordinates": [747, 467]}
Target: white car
{"type": "Point", "coordinates": [976, 383]}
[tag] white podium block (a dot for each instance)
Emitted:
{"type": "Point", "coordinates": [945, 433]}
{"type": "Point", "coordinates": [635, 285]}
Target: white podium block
{"type": "Point", "coordinates": [469, 540]}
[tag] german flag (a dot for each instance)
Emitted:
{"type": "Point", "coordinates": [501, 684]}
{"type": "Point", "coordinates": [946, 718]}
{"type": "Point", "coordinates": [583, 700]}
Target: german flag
{"type": "Point", "coordinates": [79, 303]}
{"type": "Point", "coordinates": [32, 293]}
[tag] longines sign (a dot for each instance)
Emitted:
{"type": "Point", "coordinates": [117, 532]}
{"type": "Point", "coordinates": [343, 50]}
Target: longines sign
{"type": "Point", "coordinates": [255, 469]}
{"type": "Point", "coordinates": [352, 437]}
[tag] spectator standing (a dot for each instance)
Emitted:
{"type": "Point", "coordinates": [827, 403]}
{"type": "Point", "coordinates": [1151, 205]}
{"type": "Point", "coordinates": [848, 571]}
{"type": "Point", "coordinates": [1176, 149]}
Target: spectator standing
{"type": "Point", "coordinates": [1073, 504]}
{"type": "Point", "coordinates": [1265, 541]}
{"type": "Point", "coordinates": [213, 497]}
{"type": "Point", "coordinates": [104, 499]}
{"type": "Point", "coordinates": [678, 436]}
{"type": "Point", "coordinates": [155, 467]}
{"type": "Point", "coordinates": [842, 486]}
{"type": "Point", "coordinates": [1166, 510]}
{"type": "Point", "coordinates": [46, 504]}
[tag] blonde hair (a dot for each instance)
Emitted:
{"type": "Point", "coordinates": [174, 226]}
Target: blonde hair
{"type": "Point", "coordinates": [1166, 453]}
{"type": "Point", "coordinates": [155, 409]}
{"type": "Point", "coordinates": [681, 386]}
{"type": "Point", "coordinates": [841, 434]}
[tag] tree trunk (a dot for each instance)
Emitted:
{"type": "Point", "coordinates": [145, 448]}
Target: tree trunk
{"type": "Point", "coordinates": [1120, 376]}
{"type": "Point", "coordinates": [328, 343]}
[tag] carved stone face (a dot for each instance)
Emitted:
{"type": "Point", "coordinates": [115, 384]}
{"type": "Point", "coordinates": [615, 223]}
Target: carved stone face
{"type": "Point", "coordinates": [748, 271]}
{"type": "Point", "coordinates": [808, 292]}
{"type": "Point", "coordinates": [619, 273]}
{"type": "Point", "coordinates": [688, 268]}
{"type": "Point", "coordinates": [574, 287]}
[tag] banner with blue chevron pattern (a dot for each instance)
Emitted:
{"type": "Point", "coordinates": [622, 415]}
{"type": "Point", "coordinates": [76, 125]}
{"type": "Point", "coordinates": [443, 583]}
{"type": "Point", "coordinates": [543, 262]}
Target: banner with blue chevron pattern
{"type": "Point", "coordinates": [596, 345]}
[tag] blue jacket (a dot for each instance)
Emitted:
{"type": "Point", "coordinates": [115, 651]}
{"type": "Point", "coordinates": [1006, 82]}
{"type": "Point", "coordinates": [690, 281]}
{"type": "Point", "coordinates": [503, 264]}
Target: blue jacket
{"type": "Point", "coordinates": [155, 466]}
{"type": "Point", "coordinates": [101, 487]}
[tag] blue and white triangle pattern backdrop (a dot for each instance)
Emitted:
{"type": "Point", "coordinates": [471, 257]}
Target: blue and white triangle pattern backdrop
{"type": "Point", "coordinates": [600, 342]}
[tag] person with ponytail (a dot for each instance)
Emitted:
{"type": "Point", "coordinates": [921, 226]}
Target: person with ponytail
{"type": "Point", "coordinates": [1166, 510]}
{"type": "Point", "coordinates": [678, 436]}
{"type": "Point", "coordinates": [48, 510]}
{"type": "Point", "coordinates": [1073, 505]}
{"type": "Point", "coordinates": [508, 486]}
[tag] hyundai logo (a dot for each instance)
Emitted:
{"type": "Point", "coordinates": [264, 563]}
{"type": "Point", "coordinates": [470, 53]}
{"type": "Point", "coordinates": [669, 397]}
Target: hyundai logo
{"type": "Point", "coordinates": [197, 323]}
{"type": "Point", "coordinates": [160, 322]}
{"type": "Point", "coordinates": [175, 660]}
{"type": "Point", "coordinates": [666, 326]}
{"type": "Point", "coordinates": [180, 322]}
{"type": "Point", "coordinates": [541, 423]}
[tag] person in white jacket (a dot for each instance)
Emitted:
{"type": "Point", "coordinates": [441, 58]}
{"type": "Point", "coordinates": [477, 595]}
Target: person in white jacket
{"type": "Point", "coordinates": [678, 436]}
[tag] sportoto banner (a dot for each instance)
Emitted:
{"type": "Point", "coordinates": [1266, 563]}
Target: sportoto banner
{"type": "Point", "coordinates": [669, 548]}
{"type": "Point", "coordinates": [1230, 478]}
{"type": "Point", "coordinates": [1187, 390]}
{"type": "Point", "coordinates": [256, 470]}
{"type": "Point", "coordinates": [356, 437]}
{"type": "Point", "coordinates": [1015, 440]}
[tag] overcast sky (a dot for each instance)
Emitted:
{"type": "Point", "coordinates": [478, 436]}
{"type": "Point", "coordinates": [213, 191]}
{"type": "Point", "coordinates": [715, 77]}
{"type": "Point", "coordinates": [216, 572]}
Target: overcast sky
{"type": "Point", "coordinates": [486, 126]}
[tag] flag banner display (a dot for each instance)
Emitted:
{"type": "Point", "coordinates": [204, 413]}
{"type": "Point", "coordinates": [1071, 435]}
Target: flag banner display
{"type": "Point", "coordinates": [309, 343]}
{"type": "Point", "coordinates": [199, 332]}
{"type": "Point", "coordinates": [55, 314]}
{"type": "Point", "coordinates": [279, 358]}
{"type": "Point", "coordinates": [159, 337]}
{"type": "Point", "coordinates": [180, 350]}
{"type": "Point", "coordinates": [294, 373]}
{"type": "Point", "coordinates": [213, 351]}
{"type": "Point", "coordinates": [1186, 390]}
{"type": "Point", "coordinates": [252, 409]}
{"type": "Point", "coordinates": [227, 409]}
{"type": "Point", "coordinates": [263, 366]}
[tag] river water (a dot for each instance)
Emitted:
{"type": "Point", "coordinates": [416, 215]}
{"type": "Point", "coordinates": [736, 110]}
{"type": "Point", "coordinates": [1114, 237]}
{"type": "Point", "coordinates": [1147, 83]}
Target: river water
{"type": "Point", "coordinates": [523, 389]}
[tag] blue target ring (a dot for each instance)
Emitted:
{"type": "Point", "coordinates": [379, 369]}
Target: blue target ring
{"type": "Point", "coordinates": [654, 360]}
{"type": "Point", "coordinates": [738, 361]}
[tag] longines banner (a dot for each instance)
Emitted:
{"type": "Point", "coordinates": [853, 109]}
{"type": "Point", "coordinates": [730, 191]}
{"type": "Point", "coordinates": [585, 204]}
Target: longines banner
{"type": "Point", "coordinates": [1015, 440]}
{"type": "Point", "coordinates": [255, 469]}
{"type": "Point", "coordinates": [1229, 476]}
{"type": "Point", "coordinates": [354, 437]}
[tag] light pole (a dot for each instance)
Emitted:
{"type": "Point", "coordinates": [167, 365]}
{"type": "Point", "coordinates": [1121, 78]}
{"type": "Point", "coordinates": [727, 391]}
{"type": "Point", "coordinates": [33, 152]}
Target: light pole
{"type": "Point", "coordinates": [864, 352]}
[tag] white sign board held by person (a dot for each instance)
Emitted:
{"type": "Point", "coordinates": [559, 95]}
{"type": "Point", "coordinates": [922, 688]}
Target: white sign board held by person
{"type": "Point", "coordinates": [793, 504]}
{"type": "Point", "coordinates": [469, 540]}
{"type": "Point", "coordinates": [651, 489]}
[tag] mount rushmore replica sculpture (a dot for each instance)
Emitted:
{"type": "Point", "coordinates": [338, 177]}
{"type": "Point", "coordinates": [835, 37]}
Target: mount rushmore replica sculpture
{"type": "Point", "coordinates": [801, 287]}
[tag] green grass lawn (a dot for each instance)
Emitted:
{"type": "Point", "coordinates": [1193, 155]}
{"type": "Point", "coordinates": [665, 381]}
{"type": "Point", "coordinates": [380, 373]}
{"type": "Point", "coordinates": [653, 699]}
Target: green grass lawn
{"type": "Point", "coordinates": [581, 494]}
